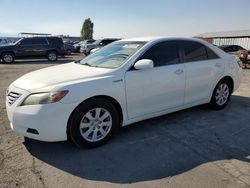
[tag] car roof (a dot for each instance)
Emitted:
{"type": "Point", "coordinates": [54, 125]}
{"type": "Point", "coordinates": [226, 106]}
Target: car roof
{"type": "Point", "coordinates": [149, 40]}
{"type": "Point", "coordinates": [225, 46]}
{"type": "Point", "coordinates": [40, 37]}
{"type": "Point", "coordinates": [156, 38]}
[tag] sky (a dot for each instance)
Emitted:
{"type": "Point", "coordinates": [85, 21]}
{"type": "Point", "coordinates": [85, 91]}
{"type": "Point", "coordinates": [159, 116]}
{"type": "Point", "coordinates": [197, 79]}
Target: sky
{"type": "Point", "coordinates": [124, 18]}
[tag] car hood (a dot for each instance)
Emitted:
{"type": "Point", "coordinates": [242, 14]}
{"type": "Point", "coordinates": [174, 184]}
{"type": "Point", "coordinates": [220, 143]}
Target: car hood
{"type": "Point", "coordinates": [59, 74]}
{"type": "Point", "coordinates": [3, 46]}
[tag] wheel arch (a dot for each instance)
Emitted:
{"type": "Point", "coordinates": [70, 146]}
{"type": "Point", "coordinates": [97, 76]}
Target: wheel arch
{"type": "Point", "coordinates": [1, 54]}
{"type": "Point", "coordinates": [51, 50]}
{"type": "Point", "coordinates": [108, 98]}
{"type": "Point", "coordinates": [229, 79]}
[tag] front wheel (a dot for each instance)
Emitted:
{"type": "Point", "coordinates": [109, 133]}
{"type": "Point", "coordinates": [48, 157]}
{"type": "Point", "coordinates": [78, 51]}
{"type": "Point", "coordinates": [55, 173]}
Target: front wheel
{"type": "Point", "coordinates": [221, 95]}
{"type": "Point", "coordinates": [93, 123]}
{"type": "Point", "coordinates": [8, 57]}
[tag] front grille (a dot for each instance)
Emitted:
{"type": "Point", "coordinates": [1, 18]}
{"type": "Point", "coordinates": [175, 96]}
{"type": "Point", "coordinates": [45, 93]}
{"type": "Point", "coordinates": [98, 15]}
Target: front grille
{"type": "Point", "coordinates": [12, 97]}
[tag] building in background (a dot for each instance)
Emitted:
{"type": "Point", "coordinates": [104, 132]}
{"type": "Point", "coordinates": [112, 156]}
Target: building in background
{"type": "Point", "coordinates": [241, 38]}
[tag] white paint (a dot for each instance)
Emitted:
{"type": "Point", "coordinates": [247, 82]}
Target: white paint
{"type": "Point", "coordinates": [141, 93]}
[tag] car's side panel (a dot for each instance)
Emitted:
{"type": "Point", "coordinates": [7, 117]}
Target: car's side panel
{"type": "Point", "coordinates": [155, 89]}
{"type": "Point", "coordinates": [162, 112]}
{"type": "Point", "coordinates": [112, 86]}
{"type": "Point", "coordinates": [201, 76]}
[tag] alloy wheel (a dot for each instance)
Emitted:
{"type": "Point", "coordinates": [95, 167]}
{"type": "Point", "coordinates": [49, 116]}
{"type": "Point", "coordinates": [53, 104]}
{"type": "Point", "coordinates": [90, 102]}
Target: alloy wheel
{"type": "Point", "coordinates": [52, 56]}
{"type": "Point", "coordinates": [95, 124]}
{"type": "Point", "coordinates": [222, 94]}
{"type": "Point", "coordinates": [8, 58]}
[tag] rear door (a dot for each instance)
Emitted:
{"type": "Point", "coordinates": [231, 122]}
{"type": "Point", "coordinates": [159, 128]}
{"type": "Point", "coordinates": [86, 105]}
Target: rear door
{"type": "Point", "coordinates": [203, 69]}
{"type": "Point", "coordinates": [160, 88]}
{"type": "Point", "coordinates": [39, 46]}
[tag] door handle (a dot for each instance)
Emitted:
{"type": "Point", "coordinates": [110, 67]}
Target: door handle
{"type": "Point", "coordinates": [179, 71]}
{"type": "Point", "coordinates": [218, 64]}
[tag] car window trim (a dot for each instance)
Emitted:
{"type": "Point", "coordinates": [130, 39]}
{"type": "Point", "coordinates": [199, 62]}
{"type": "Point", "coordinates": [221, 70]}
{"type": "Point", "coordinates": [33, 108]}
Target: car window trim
{"type": "Point", "coordinates": [47, 43]}
{"type": "Point", "coordinates": [184, 56]}
{"type": "Point", "coordinates": [131, 68]}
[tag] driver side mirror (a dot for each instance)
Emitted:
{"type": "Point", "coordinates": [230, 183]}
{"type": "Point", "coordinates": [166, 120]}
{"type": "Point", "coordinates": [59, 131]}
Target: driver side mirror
{"type": "Point", "coordinates": [144, 64]}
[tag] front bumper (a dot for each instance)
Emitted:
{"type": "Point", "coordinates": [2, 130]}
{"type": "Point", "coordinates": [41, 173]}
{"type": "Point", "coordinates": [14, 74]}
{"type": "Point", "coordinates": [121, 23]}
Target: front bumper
{"type": "Point", "coordinates": [50, 120]}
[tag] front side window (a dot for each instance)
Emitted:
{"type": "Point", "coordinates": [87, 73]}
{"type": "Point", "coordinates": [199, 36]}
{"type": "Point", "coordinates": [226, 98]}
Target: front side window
{"type": "Point", "coordinates": [26, 42]}
{"type": "Point", "coordinates": [163, 53]}
{"type": "Point", "coordinates": [112, 56]}
{"type": "Point", "coordinates": [194, 51]}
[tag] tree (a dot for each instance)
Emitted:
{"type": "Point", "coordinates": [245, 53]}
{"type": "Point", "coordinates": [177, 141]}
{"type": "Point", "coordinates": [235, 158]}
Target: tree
{"type": "Point", "coordinates": [87, 29]}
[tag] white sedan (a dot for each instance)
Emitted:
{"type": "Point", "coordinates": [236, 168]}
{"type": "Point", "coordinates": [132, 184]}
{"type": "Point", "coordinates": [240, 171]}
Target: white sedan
{"type": "Point", "coordinates": [125, 82]}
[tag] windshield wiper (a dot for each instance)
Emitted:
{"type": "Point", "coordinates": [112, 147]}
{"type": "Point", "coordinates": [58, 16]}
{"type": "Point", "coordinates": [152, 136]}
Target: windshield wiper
{"type": "Point", "coordinates": [87, 64]}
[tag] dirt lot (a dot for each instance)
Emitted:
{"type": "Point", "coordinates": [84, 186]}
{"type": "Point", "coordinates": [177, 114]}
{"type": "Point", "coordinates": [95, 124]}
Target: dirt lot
{"type": "Point", "coordinates": [197, 147]}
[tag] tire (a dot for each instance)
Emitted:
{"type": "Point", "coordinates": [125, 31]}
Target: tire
{"type": "Point", "coordinates": [221, 95]}
{"type": "Point", "coordinates": [8, 57]}
{"type": "Point", "coordinates": [88, 129]}
{"type": "Point", "coordinates": [68, 52]}
{"type": "Point", "coordinates": [52, 56]}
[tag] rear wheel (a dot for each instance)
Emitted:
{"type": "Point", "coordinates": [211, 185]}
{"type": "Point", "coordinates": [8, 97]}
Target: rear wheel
{"type": "Point", "coordinates": [221, 95]}
{"type": "Point", "coordinates": [69, 52]}
{"type": "Point", "coordinates": [93, 123]}
{"type": "Point", "coordinates": [8, 57]}
{"type": "Point", "coordinates": [52, 56]}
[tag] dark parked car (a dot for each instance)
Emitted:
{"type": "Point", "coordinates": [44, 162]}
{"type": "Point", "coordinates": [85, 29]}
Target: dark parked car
{"type": "Point", "coordinates": [69, 48]}
{"type": "Point", "coordinates": [86, 49]}
{"type": "Point", "coordinates": [248, 57]}
{"type": "Point", "coordinates": [82, 43]}
{"type": "Point", "coordinates": [34, 47]}
{"type": "Point", "coordinates": [236, 50]}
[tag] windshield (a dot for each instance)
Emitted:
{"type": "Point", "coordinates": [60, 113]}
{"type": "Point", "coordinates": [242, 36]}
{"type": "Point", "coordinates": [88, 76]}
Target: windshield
{"type": "Point", "coordinates": [113, 55]}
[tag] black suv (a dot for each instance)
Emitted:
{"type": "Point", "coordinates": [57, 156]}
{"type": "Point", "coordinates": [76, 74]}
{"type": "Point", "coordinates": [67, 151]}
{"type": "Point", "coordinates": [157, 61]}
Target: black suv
{"type": "Point", "coordinates": [50, 47]}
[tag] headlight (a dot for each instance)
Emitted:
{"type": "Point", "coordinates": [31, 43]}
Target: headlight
{"type": "Point", "coordinates": [44, 98]}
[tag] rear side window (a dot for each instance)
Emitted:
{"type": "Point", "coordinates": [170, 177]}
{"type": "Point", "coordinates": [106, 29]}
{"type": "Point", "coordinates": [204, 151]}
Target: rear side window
{"type": "Point", "coordinates": [39, 41]}
{"type": "Point", "coordinates": [211, 54]}
{"type": "Point", "coordinates": [194, 51]}
{"type": "Point", "coordinates": [55, 40]}
{"type": "Point", "coordinates": [163, 53]}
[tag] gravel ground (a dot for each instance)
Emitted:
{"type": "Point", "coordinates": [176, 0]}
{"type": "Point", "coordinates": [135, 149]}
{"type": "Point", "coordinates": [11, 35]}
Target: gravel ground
{"type": "Point", "coordinates": [192, 148]}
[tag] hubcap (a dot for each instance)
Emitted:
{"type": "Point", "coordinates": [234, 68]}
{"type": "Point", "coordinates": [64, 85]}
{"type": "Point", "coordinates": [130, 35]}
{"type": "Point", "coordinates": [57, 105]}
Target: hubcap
{"type": "Point", "coordinates": [222, 94]}
{"type": "Point", "coordinates": [8, 58]}
{"type": "Point", "coordinates": [95, 124]}
{"type": "Point", "coordinates": [52, 56]}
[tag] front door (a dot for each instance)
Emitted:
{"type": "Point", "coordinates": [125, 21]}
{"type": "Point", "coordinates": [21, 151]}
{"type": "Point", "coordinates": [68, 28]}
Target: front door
{"type": "Point", "coordinates": [160, 88]}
